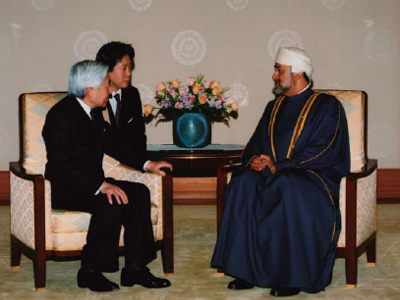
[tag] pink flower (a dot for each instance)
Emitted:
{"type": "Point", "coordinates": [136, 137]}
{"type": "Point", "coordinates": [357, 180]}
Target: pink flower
{"type": "Point", "coordinates": [206, 83]}
{"type": "Point", "coordinates": [147, 109]}
{"type": "Point", "coordinates": [191, 98]}
{"type": "Point", "coordinates": [190, 81]}
{"type": "Point", "coordinates": [214, 83]}
{"type": "Point", "coordinates": [172, 92]}
{"type": "Point", "coordinates": [161, 86]}
{"type": "Point", "coordinates": [222, 99]}
{"type": "Point", "coordinates": [179, 105]}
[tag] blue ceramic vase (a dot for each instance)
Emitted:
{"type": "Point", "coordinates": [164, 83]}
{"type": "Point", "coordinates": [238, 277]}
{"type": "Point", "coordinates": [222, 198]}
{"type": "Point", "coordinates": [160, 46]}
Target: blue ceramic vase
{"type": "Point", "coordinates": [192, 130]}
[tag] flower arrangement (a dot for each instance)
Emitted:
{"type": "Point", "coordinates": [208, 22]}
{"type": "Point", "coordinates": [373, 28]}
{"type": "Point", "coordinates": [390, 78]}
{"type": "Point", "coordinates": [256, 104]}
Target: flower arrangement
{"type": "Point", "coordinates": [197, 95]}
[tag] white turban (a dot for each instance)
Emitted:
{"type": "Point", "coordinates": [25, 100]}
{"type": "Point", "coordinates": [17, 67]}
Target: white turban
{"type": "Point", "coordinates": [297, 58]}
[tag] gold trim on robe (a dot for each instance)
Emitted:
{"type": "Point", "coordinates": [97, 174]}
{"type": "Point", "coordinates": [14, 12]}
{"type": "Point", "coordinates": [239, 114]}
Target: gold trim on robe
{"type": "Point", "coordinates": [272, 123]}
{"type": "Point", "coordinates": [300, 123]}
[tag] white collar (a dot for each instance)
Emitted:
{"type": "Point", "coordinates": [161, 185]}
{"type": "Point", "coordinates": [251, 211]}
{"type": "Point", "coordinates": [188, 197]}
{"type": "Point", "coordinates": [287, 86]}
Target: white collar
{"type": "Point", "coordinates": [119, 92]}
{"type": "Point", "coordinates": [86, 108]}
{"type": "Point", "coordinates": [305, 88]}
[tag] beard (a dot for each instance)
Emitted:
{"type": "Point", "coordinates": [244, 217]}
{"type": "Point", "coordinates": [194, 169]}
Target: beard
{"type": "Point", "coordinates": [281, 88]}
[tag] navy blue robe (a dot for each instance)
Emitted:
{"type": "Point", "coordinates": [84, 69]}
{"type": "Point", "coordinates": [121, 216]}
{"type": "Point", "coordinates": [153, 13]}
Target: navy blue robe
{"type": "Point", "coordinates": [281, 230]}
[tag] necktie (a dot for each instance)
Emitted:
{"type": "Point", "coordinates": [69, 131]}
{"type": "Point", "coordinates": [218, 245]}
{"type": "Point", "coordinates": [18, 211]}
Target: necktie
{"type": "Point", "coordinates": [117, 111]}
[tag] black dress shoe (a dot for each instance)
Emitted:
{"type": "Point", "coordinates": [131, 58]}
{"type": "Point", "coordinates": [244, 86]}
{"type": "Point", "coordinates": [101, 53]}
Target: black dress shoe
{"type": "Point", "coordinates": [96, 282]}
{"type": "Point", "coordinates": [240, 284]}
{"type": "Point", "coordinates": [144, 278]}
{"type": "Point", "coordinates": [284, 292]}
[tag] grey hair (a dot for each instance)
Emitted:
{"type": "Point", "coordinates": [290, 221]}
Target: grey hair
{"type": "Point", "coordinates": [85, 74]}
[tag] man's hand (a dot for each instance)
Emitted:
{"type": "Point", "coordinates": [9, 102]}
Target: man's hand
{"type": "Point", "coordinates": [113, 190]}
{"type": "Point", "coordinates": [260, 162]}
{"type": "Point", "coordinates": [156, 167]}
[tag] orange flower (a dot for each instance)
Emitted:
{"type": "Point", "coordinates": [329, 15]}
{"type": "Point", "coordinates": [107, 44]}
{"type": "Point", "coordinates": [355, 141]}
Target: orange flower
{"type": "Point", "coordinates": [161, 86]}
{"type": "Point", "coordinates": [175, 83]}
{"type": "Point", "coordinates": [203, 99]}
{"type": "Point", "coordinates": [196, 88]}
{"type": "Point", "coordinates": [182, 91]}
{"type": "Point", "coordinates": [234, 106]}
{"type": "Point", "coordinates": [216, 91]}
{"type": "Point", "coordinates": [147, 109]}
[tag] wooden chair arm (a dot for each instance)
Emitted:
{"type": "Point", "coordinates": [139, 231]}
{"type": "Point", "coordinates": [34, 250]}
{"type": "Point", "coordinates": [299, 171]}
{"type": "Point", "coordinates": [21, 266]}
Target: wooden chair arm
{"type": "Point", "coordinates": [19, 171]}
{"type": "Point", "coordinates": [369, 167]}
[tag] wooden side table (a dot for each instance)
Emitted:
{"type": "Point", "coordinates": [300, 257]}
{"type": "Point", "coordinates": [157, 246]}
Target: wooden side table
{"type": "Point", "coordinates": [196, 162]}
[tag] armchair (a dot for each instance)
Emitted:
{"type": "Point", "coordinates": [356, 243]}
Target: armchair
{"type": "Point", "coordinates": [42, 233]}
{"type": "Point", "coordinates": [357, 191]}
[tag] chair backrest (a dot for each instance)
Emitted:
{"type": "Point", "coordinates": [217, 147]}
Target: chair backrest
{"type": "Point", "coordinates": [355, 106]}
{"type": "Point", "coordinates": [33, 108]}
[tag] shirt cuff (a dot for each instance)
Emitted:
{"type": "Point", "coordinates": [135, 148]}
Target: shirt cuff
{"type": "Point", "coordinates": [145, 165]}
{"type": "Point", "coordinates": [98, 191]}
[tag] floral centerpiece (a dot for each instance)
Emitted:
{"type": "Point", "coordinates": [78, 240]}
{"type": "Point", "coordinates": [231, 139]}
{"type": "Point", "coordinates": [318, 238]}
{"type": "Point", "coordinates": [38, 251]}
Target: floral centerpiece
{"type": "Point", "coordinates": [186, 104]}
{"type": "Point", "coordinates": [198, 95]}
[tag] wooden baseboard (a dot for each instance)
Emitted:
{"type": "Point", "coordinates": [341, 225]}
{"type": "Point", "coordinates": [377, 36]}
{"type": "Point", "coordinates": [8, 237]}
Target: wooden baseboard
{"type": "Point", "coordinates": [202, 190]}
{"type": "Point", "coordinates": [4, 188]}
{"type": "Point", "coordinates": [389, 184]}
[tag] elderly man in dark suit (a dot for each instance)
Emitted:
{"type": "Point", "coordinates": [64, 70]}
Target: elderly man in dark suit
{"type": "Point", "coordinates": [76, 138]}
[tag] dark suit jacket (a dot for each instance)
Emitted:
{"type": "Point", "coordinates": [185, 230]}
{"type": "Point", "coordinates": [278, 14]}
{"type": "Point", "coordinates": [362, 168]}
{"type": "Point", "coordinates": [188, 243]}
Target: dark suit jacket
{"type": "Point", "coordinates": [75, 147]}
{"type": "Point", "coordinates": [131, 122]}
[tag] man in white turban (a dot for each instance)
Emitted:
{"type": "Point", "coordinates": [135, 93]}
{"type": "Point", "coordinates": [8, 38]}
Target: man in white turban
{"type": "Point", "coordinates": [281, 221]}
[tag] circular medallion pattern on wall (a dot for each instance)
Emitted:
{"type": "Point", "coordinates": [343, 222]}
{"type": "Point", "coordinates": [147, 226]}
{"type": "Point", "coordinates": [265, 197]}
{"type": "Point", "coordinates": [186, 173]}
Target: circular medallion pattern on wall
{"type": "Point", "coordinates": [43, 88]}
{"type": "Point", "coordinates": [5, 48]}
{"type": "Point", "coordinates": [4, 142]}
{"type": "Point", "coordinates": [237, 5]}
{"type": "Point", "coordinates": [146, 93]}
{"type": "Point", "coordinates": [381, 46]}
{"type": "Point", "coordinates": [42, 5]}
{"type": "Point", "coordinates": [188, 47]}
{"type": "Point", "coordinates": [88, 43]}
{"type": "Point", "coordinates": [333, 4]}
{"type": "Point", "coordinates": [140, 5]}
{"type": "Point", "coordinates": [333, 86]}
{"type": "Point", "coordinates": [284, 38]}
{"type": "Point", "coordinates": [238, 93]}
{"type": "Point", "coordinates": [384, 140]}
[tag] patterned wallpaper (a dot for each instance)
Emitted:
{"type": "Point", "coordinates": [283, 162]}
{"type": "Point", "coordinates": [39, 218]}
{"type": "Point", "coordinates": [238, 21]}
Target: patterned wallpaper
{"type": "Point", "coordinates": [354, 45]}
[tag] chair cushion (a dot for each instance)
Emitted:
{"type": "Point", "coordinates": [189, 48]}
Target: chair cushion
{"type": "Point", "coordinates": [35, 108]}
{"type": "Point", "coordinates": [354, 106]}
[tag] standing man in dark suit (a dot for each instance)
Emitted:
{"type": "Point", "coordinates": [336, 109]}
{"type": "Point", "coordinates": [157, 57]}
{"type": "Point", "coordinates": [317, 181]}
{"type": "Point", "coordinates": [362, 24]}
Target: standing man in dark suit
{"type": "Point", "coordinates": [76, 138]}
{"type": "Point", "coordinates": [124, 106]}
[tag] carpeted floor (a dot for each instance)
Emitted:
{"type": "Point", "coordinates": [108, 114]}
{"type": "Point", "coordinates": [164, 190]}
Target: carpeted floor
{"type": "Point", "coordinates": [195, 233]}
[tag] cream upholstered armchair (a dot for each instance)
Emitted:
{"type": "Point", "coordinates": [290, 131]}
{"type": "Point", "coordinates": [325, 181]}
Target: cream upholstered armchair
{"type": "Point", "coordinates": [42, 233]}
{"type": "Point", "coordinates": [357, 191]}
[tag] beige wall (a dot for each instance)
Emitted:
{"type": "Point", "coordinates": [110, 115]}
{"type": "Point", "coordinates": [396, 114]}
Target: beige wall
{"type": "Point", "coordinates": [354, 45]}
